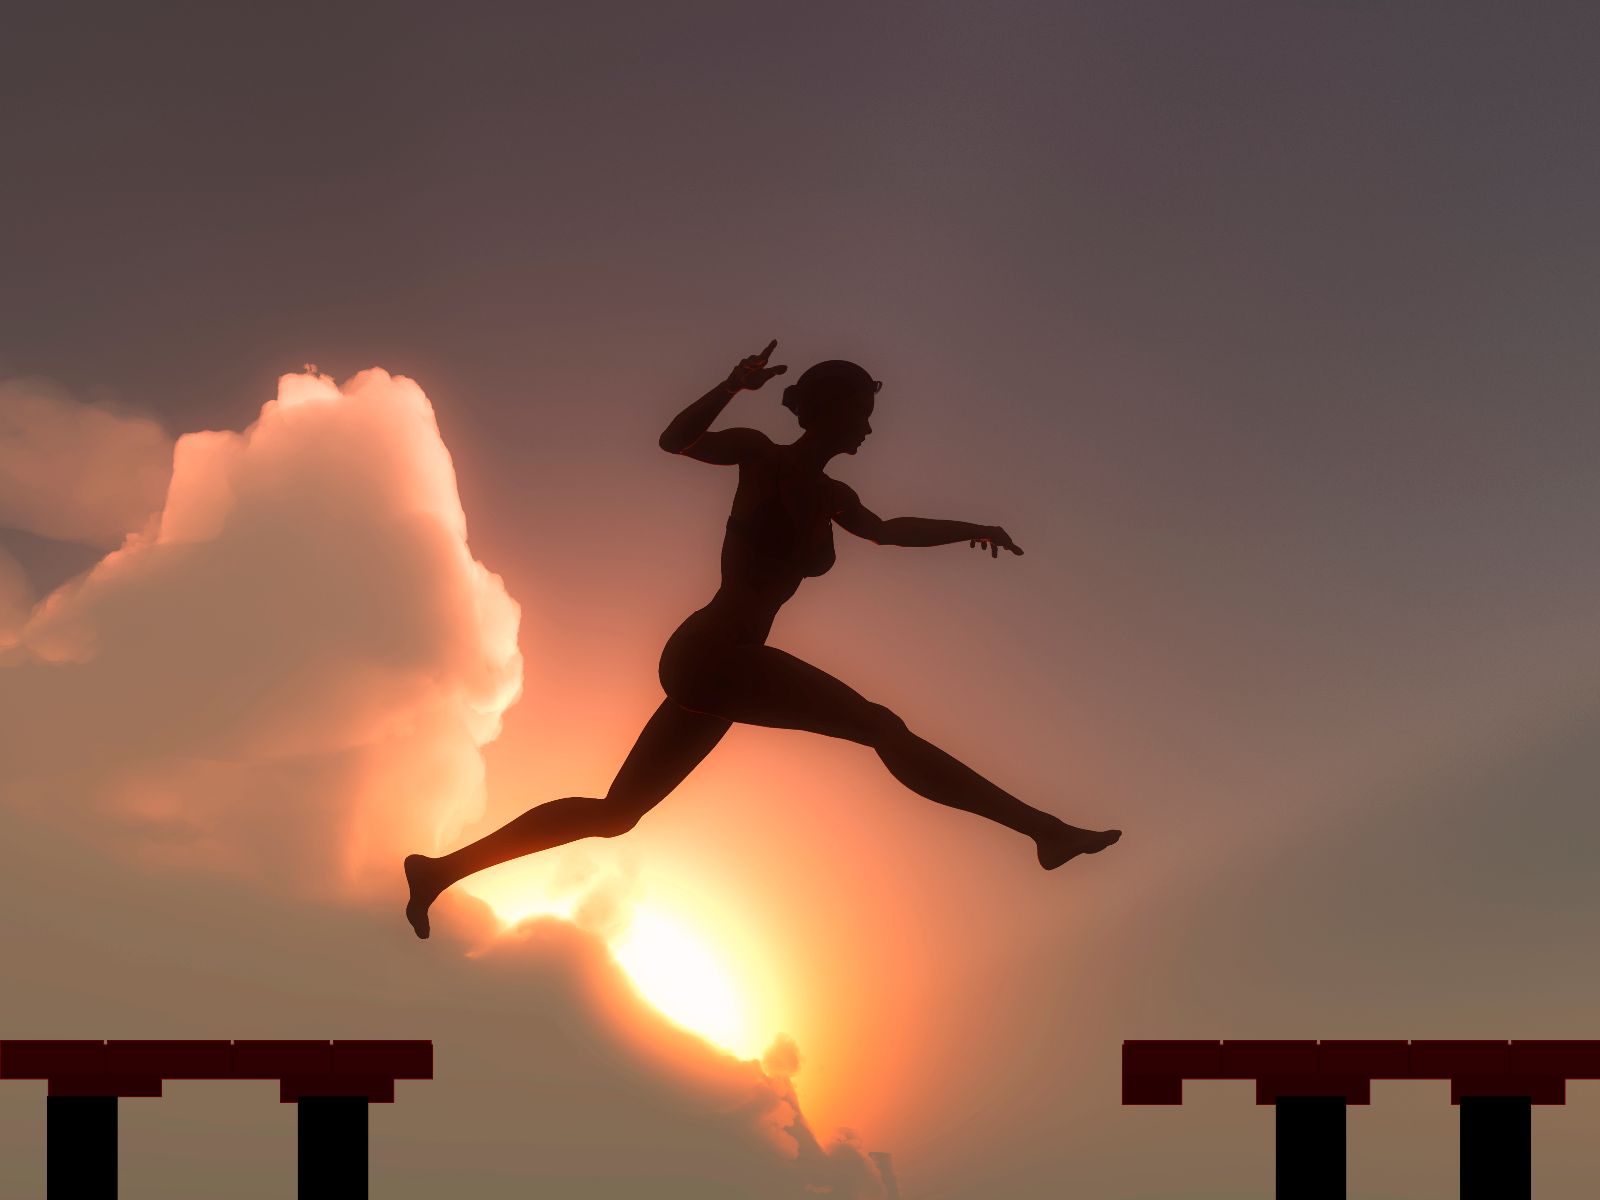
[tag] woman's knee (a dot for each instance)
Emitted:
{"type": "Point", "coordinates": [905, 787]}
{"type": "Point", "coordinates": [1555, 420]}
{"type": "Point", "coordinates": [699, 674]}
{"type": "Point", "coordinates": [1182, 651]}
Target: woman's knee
{"type": "Point", "coordinates": [616, 815]}
{"type": "Point", "coordinates": [883, 725]}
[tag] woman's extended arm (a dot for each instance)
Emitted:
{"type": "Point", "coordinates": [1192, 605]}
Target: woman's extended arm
{"type": "Point", "coordinates": [931, 531]}
{"type": "Point", "coordinates": [860, 520]}
{"type": "Point", "coordinates": [691, 424]}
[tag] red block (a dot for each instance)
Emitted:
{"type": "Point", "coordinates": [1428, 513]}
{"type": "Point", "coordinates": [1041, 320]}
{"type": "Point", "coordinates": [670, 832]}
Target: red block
{"type": "Point", "coordinates": [274, 1060]}
{"type": "Point", "coordinates": [1375, 1060]}
{"type": "Point", "coordinates": [378, 1089]}
{"type": "Point", "coordinates": [1541, 1090]}
{"type": "Point", "coordinates": [1356, 1089]}
{"type": "Point", "coordinates": [104, 1085]}
{"type": "Point", "coordinates": [47, 1059]}
{"type": "Point", "coordinates": [1187, 1060]}
{"type": "Point", "coordinates": [398, 1060]}
{"type": "Point", "coordinates": [171, 1059]}
{"type": "Point", "coordinates": [1571, 1060]}
{"type": "Point", "coordinates": [1152, 1089]}
{"type": "Point", "coordinates": [1252, 1059]}
{"type": "Point", "coordinates": [1442, 1060]}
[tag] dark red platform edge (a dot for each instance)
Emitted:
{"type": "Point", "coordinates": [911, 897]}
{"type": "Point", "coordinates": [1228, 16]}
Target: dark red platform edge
{"type": "Point", "coordinates": [137, 1068]}
{"type": "Point", "coordinates": [1153, 1071]}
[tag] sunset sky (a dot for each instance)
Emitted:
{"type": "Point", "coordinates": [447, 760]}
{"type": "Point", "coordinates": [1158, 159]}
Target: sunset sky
{"type": "Point", "coordinates": [335, 342]}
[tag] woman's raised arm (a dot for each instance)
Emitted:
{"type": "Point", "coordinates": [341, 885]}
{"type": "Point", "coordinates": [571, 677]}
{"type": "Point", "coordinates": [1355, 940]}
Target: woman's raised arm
{"type": "Point", "coordinates": [691, 424]}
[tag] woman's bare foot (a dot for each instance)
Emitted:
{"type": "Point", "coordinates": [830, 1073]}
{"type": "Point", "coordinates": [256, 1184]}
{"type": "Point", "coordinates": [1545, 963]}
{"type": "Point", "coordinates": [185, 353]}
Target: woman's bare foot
{"type": "Point", "coordinates": [1068, 841]}
{"type": "Point", "coordinates": [425, 889]}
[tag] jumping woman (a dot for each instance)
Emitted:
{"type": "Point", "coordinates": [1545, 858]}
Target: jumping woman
{"type": "Point", "coordinates": [716, 667]}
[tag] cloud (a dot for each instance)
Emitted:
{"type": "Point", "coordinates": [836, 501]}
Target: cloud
{"type": "Point", "coordinates": [782, 1058]}
{"type": "Point", "coordinates": [290, 671]}
{"type": "Point", "coordinates": [15, 602]}
{"type": "Point", "coordinates": [885, 1164]}
{"type": "Point", "coordinates": [219, 743]}
{"type": "Point", "coordinates": [78, 472]}
{"type": "Point", "coordinates": [552, 1075]}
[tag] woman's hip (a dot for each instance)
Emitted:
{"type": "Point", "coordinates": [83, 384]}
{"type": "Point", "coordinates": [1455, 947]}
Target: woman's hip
{"type": "Point", "coordinates": [700, 646]}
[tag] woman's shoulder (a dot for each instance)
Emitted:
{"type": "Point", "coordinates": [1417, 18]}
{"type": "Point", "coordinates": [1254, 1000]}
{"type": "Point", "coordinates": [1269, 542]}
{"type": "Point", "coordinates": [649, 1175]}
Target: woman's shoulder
{"type": "Point", "coordinates": [755, 444]}
{"type": "Point", "coordinates": [840, 492]}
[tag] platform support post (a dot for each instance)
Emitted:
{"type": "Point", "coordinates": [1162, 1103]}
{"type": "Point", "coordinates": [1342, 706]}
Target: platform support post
{"type": "Point", "coordinates": [1311, 1148]}
{"type": "Point", "coordinates": [80, 1147]}
{"type": "Point", "coordinates": [333, 1147]}
{"type": "Point", "coordinates": [1496, 1147]}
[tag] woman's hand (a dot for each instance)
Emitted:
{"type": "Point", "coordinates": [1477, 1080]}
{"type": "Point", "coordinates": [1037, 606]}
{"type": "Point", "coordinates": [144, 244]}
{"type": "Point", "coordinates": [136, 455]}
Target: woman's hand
{"type": "Point", "coordinates": [993, 539]}
{"type": "Point", "coordinates": [753, 371]}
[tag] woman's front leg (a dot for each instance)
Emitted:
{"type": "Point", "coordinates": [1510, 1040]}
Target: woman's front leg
{"type": "Point", "coordinates": [762, 685]}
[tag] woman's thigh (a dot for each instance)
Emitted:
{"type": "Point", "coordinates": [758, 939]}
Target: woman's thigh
{"type": "Point", "coordinates": [762, 685]}
{"type": "Point", "coordinates": [672, 743]}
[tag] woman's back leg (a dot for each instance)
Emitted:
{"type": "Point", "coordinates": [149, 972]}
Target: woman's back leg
{"type": "Point", "coordinates": [672, 743]}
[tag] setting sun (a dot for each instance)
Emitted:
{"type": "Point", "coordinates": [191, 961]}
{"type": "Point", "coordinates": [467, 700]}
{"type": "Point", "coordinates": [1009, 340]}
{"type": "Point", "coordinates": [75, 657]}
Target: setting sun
{"type": "Point", "coordinates": [676, 972]}
{"type": "Point", "coordinates": [679, 964]}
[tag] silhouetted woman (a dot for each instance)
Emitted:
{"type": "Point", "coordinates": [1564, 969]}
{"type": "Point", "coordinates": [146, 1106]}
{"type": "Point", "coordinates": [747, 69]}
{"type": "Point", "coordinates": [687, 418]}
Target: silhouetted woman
{"type": "Point", "coordinates": [717, 668]}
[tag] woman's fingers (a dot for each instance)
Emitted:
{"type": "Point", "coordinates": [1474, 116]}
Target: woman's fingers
{"type": "Point", "coordinates": [1002, 538]}
{"type": "Point", "coordinates": [763, 355]}
{"type": "Point", "coordinates": [994, 545]}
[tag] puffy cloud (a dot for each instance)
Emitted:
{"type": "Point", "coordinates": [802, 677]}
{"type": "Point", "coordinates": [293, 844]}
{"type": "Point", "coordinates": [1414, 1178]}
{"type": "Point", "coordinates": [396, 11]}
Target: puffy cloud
{"type": "Point", "coordinates": [218, 744]}
{"type": "Point", "coordinates": [79, 472]}
{"type": "Point", "coordinates": [290, 672]}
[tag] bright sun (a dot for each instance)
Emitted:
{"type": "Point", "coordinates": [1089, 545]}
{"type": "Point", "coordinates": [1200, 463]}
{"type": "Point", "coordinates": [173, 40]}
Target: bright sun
{"type": "Point", "coordinates": [679, 973]}
{"type": "Point", "coordinates": [682, 978]}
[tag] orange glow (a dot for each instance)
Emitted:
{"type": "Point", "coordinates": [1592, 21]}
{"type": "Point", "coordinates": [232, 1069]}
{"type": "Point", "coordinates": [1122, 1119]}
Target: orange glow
{"type": "Point", "coordinates": [677, 973]}
{"type": "Point", "coordinates": [514, 893]}
{"type": "Point", "coordinates": [680, 961]}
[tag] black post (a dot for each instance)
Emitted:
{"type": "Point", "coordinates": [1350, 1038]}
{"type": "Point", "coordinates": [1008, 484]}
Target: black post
{"type": "Point", "coordinates": [1496, 1148]}
{"type": "Point", "coordinates": [333, 1147]}
{"type": "Point", "coordinates": [80, 1147]}
{"type": "Point", "coordinates": [1311, 1147]}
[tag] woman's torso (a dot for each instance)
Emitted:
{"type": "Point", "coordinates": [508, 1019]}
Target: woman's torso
{"type": "Point", "coordinates": [779, 533]}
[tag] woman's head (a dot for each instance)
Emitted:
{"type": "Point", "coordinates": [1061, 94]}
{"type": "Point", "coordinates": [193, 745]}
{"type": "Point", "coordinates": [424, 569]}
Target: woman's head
{"type": "Point", "coordinates": [834, 401]}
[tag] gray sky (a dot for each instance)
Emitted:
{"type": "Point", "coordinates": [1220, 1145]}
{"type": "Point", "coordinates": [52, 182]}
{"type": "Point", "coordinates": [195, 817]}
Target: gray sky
{"type": "Point", "coordinates": [1266, 329]}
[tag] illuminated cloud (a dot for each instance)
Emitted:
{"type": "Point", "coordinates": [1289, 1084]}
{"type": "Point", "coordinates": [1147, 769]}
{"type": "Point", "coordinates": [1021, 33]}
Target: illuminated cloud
{"type": "Point", "coordinates": [288, 674]}
{"type": "Point", "coordinates": [221, 740]}
{"type": "Point", "coordinates": [782, 1058]}
{"type": "Point", "coordinates": [77, 472]}
{"type": "Point", "coordinates": [702, 1117]}
{"type": "Point", "coordinates": [553, 1076]}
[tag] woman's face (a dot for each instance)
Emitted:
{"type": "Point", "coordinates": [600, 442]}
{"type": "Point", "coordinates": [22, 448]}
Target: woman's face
{"type": "Point", "coordinates": [845, 420]}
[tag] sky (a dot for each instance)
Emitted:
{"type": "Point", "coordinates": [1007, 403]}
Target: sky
{"type": "Point", "coordinates": [335, 342]}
